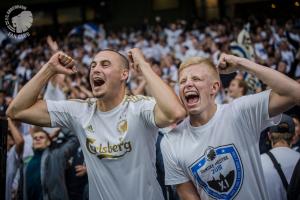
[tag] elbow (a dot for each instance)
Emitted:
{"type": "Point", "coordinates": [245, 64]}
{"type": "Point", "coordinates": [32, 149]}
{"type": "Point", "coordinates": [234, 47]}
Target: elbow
{"type": "Point", "coordinates": [178, 115]}
{"type": "Point", "coordinates": [11, 113]}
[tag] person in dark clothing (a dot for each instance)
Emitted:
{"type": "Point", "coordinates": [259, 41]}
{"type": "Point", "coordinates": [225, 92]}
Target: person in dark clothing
{"type": "Point", "coordinates": [33, 176]}
{"type": "Point", "coordinates": [3, 104]}
{"type": "Point", "coordinates": [76, 176]}
{"type": "Point", "coordinates": [44, 175]}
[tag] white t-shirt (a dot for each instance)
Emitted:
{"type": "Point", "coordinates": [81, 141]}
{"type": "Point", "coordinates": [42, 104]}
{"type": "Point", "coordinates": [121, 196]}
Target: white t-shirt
{"type": "Point", "coordinates": [118, 145]}
{"type": "Point", "coordinates": [221, 158]}
{"type": "Point", "coordinates": [287, 158]}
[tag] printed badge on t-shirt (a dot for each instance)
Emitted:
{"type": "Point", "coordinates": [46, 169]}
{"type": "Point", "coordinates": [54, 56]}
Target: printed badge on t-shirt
{"type": "Point", "coordinates": [219, 172]}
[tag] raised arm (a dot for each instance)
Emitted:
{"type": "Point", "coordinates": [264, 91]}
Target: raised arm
{"type": "Point", "coordinates": [285, 91]}
{"type": "Point", "coordinates": [168, 109]}
{"type": "Point", "coordinates": [26, 107]}
{"type": "Point", "coordinates": [17, 136]}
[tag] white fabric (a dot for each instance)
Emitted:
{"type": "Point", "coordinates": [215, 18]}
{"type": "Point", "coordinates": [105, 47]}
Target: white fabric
{"type": "Point", "coordinates": [287, 158]}
{"type": "Point", "coordinates": [54, 92]}
{"type": "Point", "coordinates": [221, 158]}
{"type": "Point", "coordinates": [120, 159]}
{"type": "Point", "coordinates": [12, 164]}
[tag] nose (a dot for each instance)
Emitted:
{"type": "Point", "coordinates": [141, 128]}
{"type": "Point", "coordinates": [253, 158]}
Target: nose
{"type": "Point", "coordinates": [189, 83]}
{"type": "Point", "coordinates": [96, 70]}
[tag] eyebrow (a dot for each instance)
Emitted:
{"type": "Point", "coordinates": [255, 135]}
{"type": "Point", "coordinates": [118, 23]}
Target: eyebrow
{"type": "Point", "coordinates": [93, 62]}
{"type": "Point", "coordinates": [101, 62]}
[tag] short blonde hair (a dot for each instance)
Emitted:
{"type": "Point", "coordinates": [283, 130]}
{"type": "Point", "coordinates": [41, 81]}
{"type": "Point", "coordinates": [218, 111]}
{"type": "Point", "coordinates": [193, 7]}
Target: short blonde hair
{"type": "Point", "coordinates": [200, 61]}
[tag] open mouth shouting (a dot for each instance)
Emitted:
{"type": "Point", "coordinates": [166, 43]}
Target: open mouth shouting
{"type": "Point", "coordinates": [191, 98]}
{"type": "Point", "coordinates": [98, 81]}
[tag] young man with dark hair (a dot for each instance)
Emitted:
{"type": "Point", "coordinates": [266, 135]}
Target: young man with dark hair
{"type": "Point", "coordinates": [117, 132]}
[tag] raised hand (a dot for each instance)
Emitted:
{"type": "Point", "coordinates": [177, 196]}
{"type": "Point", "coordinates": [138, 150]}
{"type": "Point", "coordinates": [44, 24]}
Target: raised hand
{"type": "Point", "coordinates": [60, 63]}
{"type": "Point", "coordinates": [136, 58]}
{"type": "Point", "coordinates": [52, 44]}
{"type": "Point", "coordinates": [228, 64]}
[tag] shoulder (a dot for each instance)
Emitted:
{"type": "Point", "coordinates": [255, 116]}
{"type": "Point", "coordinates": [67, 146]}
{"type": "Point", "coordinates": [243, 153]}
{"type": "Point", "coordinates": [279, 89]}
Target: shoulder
{"type": "Point", "coordinates": [266, 163]}
{"type": "Point", "coordinates": [137, 98]}
{"type": "Point", "coordinates": [139, 103]}
{"type": "Point", "coordinates": [263, 157]}
{"type": "Point", "coordinates": [252, 97]}
{"type": "Point", "coordinates": [88, 101]}
{"type": "Point", "coordinates": [286, 153]}
{"type": "Point", "coordinates": [176, 133]}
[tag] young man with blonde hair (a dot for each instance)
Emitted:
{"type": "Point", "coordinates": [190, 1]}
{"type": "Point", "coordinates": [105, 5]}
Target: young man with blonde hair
{"type": "Point", "coordinates": [213, 153]}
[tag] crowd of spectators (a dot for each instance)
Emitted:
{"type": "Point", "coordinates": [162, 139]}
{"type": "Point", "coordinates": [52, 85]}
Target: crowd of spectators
{"type": "Point", "coordinates": [275, 44]}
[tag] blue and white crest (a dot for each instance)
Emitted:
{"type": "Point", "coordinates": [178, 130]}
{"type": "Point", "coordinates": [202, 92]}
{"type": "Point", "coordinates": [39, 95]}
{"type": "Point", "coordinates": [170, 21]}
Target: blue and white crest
{"type": "Point", "coordinates": [219, 172]}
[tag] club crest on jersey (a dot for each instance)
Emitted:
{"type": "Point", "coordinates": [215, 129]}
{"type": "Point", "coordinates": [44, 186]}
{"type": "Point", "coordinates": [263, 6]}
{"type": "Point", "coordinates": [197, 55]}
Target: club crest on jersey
{"type": "Point", "coordinates": [123, 126]}
{"type": "Point", "coordinates": [219, 172]}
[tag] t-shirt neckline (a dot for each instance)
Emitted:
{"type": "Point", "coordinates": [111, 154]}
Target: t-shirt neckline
{"type": "Point", "coordinates": [208, 124]}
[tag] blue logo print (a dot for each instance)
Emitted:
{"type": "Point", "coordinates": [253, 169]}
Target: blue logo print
{"type": "Point", "coordinates": [219, 172]}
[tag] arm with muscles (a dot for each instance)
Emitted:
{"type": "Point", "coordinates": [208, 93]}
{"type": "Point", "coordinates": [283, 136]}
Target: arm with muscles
{"type": "Point", "coordinates": [285, 91]}
{"type": "Point", "coordinates": [26, 107]}
{"type": "Point", "coordinates": [17, 136]}
{"type": "Point", "coordinates": [187, 191]}
{"type": "Point", "coordinates": [168, 109]}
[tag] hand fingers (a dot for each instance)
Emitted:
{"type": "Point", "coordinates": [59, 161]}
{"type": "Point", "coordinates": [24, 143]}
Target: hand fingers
{"type": "Point", "coordinates": [64, 59]}
{"type": "Point", "coordinates": [68, 63]}
{"type": "Point", "coordinates": [78, 166]}
{"type": "Point", "coordinates": [80, 173]}
{"type": "Point", "coordinates": [130, 56]}
{"type": "Point", "coordinates": [222, 64]}
{"type": "Point", "coordinates": [71, 66]}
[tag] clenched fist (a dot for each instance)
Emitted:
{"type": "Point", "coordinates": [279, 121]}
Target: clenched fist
{"type": "Point", "coordinates": [60, 63]}
{"type": "Point", "coordinates": [228, 63]}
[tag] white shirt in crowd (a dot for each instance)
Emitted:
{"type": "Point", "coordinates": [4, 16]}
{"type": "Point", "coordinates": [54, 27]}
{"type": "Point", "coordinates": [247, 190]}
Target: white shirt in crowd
{"type": "Point", "coordinates": [118, 146]}
{"type": "Point", "coordinates": [287, 158]}
{"type": "Point", "coordinates": [222, 157]}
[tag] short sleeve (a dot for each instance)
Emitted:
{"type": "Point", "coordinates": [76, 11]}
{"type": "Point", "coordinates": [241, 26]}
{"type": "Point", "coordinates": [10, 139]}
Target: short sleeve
{"type": "Point", "coordinates": [252, 112]}
{"type": "Point", "coordinates": [146, 110]}
{"type": "Point", "coordinates": [173, 172]}
{"type": "Point", "coordinates": [61, 113]}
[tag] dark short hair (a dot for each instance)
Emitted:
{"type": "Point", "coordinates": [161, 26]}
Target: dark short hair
{"type": "Point", "coordinates": [243, 84]}
{"type": "Point", "coordinates": [124, 59]}
{"type": "Point", "coordinates": [285, 130]}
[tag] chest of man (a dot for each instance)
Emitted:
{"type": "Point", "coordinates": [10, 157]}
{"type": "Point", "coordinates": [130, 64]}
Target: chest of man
{"type": "Point", "coordinates": [213, 159]}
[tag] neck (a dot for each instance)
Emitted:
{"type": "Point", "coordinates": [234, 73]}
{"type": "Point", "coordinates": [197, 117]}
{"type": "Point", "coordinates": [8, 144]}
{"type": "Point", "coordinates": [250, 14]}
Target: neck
{"type": "Point", "coordinates": [204, 117]}
{"type": "Point", "coordinates": [281, 143]}
{"type": "Point", "coordinates": [107, 104]}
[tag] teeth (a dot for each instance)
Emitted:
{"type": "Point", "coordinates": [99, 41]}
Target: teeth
{"type": "Point", "coordinates": [98, 79]}
{"type": "Point", "coordinates": [190, 93]}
